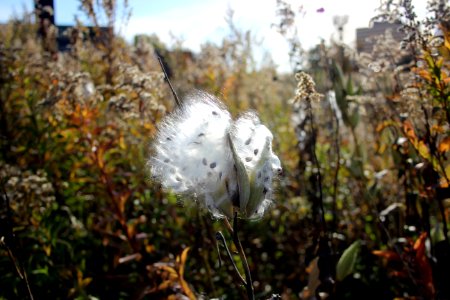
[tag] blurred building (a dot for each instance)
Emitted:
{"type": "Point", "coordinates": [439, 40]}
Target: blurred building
{"type": "Point", "coordinates": [366, 37]}
{"type": "Point", "coordinates": [61, 37]}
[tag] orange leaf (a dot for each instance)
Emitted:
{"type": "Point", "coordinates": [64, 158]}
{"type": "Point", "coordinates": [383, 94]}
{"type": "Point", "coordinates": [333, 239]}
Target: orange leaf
{"type": "Point", "coordinates": [409, 131]}
{"type": "Point", "coordinates": [123, 198]}
{"type": "Point", "coordinates": [387, 254]}
{"type": "Point", "coordinates": [183, 283]}
{"type": "Point", "coordinates": [444, 146]}
{"type": "Point", "coordinates": [424, 74]}
{"type": "Point", "coordinates": [165, 285]}
{"type": "Point", "coordinates": [187, 290]}
{"type": "Point", "coordinates": [168, 269]}
{"type": "Point", "coordinates": [183, 260]}
{"type": "Point", "coordinates": [381, 126]}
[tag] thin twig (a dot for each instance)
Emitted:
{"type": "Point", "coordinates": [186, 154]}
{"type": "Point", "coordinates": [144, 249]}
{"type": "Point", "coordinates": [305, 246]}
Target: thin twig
{"type": "Point", "coordinates": [218, 253]}
{"type": "Point", "coordinates": [175, 96]}
{"type": "Point", "coordinates": [336, 171]}
{"type": "Point", "coordinates": [237, 243]}
{"type": "Point", "coordinates": [233, 230]}
{"type": "Point", "coordinates": [317, 164]}
{"type": "Point", "coordinates": [220, 237]}
{"type": "Point", "coordinates": [10, 242]}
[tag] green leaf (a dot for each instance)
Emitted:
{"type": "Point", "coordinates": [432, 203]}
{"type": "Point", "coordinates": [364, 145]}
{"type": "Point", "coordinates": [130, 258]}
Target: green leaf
{"type": "Point", "coordinates": [437, 234]}
{"type": "Point", "coordinates": [346, 264]}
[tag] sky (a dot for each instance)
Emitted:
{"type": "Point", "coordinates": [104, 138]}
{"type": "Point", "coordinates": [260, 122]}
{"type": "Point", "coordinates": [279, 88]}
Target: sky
{"type": "Point", "coordinates": [199, 21]}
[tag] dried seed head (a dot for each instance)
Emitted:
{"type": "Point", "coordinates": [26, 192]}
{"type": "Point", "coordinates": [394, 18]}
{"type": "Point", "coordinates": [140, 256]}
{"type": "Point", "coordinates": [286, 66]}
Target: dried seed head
{"type": "Point", "coordinates": [306, 88]}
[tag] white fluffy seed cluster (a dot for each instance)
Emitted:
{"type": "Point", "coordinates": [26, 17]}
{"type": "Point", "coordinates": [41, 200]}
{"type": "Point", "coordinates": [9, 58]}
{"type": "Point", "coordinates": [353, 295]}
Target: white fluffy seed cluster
{"type": "Point", "coordinates": [225, 164]}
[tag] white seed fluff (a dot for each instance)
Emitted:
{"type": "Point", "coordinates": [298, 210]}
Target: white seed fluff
{"type": "Point", "coordinates": [193, 155]}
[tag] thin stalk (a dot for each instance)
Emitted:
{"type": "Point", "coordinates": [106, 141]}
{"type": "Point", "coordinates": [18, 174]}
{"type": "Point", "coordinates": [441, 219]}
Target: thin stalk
{"type": "Point", "coordinates": [220, 237]}
{"type": "Point", "coordinates": [175, 96]}
{"type": "Point", "coordinates": [317, 164]}
{"type": "Point", "coordinates": [444, 220]}
{"type": "Point", "coordinates": [237, 243]}
{"type": "Point", "coordinates": [336, 171]}
{"type": "Point", "coordinates": [9, 244]}
{"type": "Point", "coordinates": [205, 255]}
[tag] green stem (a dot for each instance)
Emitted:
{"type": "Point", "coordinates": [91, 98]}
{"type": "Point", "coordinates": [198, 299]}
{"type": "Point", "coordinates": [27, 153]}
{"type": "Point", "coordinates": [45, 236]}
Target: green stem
{"type": "Point", "coordinates": [220, 237]}
{"type": "Point", "coordinates": [248, 277]}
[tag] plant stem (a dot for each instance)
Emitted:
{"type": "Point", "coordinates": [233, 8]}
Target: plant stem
{"type": "Point", "coordinates": [336, 171]}
{"type": "Point", "coordinates": [9, 243]}
{"type": "Point", "coordinates": [237, 243]}
{"type": "Point", "coordinates": [444, 220]}
{"type": "Point", "coordinates": [220, 237]}
{"type": "Point", "coordinates": [174, 93]}
{"type": "Point", "coordinates": [317, 164]}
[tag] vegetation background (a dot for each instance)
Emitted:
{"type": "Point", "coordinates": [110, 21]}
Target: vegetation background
{"type": "Point", "coordinates": [361, 211]}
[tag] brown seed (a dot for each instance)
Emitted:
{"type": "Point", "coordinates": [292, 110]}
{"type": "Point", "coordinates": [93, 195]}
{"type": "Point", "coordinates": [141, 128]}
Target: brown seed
{"type": "Point", "coordinates": [248, 159]}
{"type": "Point", "coordinates": [213, 165]}
{"type": "Point", "coordinates": [204, 161]}
{"type": "Point", "coordinates": [256, 151]}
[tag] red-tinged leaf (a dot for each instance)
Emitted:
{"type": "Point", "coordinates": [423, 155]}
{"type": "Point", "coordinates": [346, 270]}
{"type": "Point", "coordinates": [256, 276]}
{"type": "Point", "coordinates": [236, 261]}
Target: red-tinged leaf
{"type": "Point", "coordinates": [401, 274]}
{"type": "Point", "coordinates": [394, 97]}
{"type": "Point", "coordinates": [423, 265]}
{"type": "Point", "coordinates": [386, 254]}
